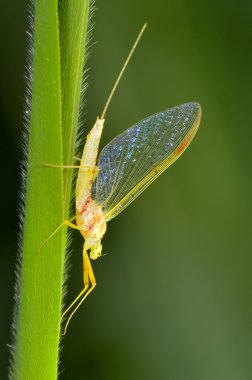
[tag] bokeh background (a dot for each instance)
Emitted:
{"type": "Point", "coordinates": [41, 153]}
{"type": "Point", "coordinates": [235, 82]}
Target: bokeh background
{"type": "Point", "coordinates": [173, 299]}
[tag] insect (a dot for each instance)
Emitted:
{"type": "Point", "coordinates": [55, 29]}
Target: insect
{"type": "Point", "coordinates": [125, 167]}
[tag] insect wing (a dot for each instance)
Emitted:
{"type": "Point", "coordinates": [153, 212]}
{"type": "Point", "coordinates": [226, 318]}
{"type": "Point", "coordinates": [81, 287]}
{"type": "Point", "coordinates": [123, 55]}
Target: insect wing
{"type": "Point", "coordinates": [135, 158]}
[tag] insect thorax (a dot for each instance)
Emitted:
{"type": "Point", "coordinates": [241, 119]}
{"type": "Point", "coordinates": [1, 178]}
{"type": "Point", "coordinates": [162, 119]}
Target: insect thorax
{"type": "Point", "coordinates": [90, 219]}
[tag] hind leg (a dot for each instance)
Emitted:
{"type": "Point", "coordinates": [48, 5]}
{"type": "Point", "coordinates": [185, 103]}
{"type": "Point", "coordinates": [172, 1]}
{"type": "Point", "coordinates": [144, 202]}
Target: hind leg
{"type": "Point", "coordinates": [88, 277]}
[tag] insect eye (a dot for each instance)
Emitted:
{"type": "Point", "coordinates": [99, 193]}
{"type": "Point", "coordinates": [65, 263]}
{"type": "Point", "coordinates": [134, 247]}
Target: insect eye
{"type": "Point", "coordinates": [96, 251]}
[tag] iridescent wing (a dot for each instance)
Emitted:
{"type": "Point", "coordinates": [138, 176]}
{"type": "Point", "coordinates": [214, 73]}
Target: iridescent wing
{"type": "Point", "coordinates": [135, 158]}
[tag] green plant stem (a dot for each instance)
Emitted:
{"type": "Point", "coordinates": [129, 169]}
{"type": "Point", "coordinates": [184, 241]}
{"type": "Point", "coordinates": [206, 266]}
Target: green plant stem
{"type": "Point", "coordinates": [35, 355]}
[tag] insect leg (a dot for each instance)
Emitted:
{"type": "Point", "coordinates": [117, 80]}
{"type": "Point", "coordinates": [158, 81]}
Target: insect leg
{"type": "Point", "coordinates": [86, 286]}
{"type": "Point", "coordinates": [88, 275]}
{"type": "Point", "coordinates": [65, 223]}
{"type": "Point", "coordinates": [62, 166]}
{"type": "Point", "coordinates": [67, 166]}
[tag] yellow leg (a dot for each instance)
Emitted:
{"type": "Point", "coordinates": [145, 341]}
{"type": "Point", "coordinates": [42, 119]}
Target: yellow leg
{"type": "Point", "coordinates": [73, 167]}
{"type": "Point", "coordinates": [62, 166]}
{"type": "Point", "coordinates": [66, 166]}
{"type": "Point", "coordinates": [86, 286]}
{"type": "Point", "coordinates": [88, 275]}
{"type": "Point", "coordinates": [65, 223]}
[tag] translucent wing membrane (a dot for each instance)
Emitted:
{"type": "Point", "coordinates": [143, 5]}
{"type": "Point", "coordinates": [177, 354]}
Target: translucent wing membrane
{"type": "Point", "coordinates": [132, 160]}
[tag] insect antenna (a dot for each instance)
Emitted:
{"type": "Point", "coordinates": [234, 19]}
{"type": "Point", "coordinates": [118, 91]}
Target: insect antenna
{"type": "Point", "coordinates": [122, 70]}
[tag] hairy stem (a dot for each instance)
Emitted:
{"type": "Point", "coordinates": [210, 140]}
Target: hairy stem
{"type": "Point", "coordinates": [54, 112]}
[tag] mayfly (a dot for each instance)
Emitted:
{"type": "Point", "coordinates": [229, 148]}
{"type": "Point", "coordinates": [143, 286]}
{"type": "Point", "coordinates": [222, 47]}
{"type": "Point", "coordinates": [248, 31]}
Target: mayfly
{"type": "Point", "coordinates": [125, 167]}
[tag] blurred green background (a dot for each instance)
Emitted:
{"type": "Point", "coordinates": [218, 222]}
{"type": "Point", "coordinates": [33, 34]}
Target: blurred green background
{"type": "Point", "coordinates": [173, 299]}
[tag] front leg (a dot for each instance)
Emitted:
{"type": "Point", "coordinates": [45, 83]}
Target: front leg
{"type": "Point", "coordinates": [64, 166]}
